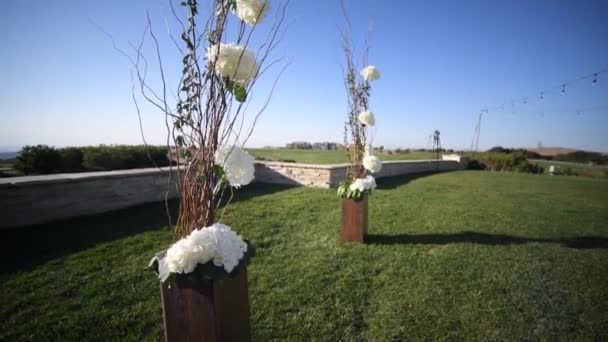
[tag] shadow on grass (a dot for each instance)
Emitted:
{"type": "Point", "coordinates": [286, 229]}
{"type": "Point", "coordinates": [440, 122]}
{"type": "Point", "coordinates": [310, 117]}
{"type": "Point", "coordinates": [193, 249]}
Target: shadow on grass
{"type": "Point", "coordinates": [583, 242]}
{"type": "Point", "coordinates": [393, 182]}
{"type": "Point", "coordinates": [26, 247]}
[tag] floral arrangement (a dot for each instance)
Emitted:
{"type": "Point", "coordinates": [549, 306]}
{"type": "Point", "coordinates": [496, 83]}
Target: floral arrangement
{"type": "Point", "coordinates": [358, 125]}
{"type": "Point", "coordinates": [207, 127]}
{"type": "Point", "coordinates": [214, 252]}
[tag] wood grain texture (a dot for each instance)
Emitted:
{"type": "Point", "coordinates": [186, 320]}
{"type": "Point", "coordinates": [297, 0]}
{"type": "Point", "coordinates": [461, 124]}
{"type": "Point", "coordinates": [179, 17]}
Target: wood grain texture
{"type": "Point", "coordinates": [206, 311]}
{"type": "Point", "coordinates": [354, 219]}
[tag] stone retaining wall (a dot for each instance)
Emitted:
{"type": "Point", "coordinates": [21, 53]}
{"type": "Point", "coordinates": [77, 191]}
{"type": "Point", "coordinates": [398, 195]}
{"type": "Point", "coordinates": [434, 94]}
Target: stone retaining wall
{"type": "Point", "coordinates": [38, 199]}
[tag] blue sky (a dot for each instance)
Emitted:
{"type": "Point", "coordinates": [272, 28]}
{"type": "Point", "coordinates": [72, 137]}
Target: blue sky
{"type": "Point", "coordinates": [441, 62]}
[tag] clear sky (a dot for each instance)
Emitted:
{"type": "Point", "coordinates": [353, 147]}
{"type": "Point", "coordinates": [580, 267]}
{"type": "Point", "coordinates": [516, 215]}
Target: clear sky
{"type": "Point", "coordinates": [441, 61]}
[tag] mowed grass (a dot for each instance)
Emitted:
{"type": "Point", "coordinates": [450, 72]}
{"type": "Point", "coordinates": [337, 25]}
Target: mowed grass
{"type": "Point", "coordinates": [580, 168]}
{"type": "Point", "coordinates": [330, 157]}
{"type": "Point", "coordinates": [462, 256]}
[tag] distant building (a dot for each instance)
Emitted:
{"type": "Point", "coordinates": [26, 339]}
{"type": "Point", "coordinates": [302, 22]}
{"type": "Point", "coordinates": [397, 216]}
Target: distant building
{"type": "Point", "coordinates": [325, 146]}
{"type": "Point", "coordinates": [299, 145]}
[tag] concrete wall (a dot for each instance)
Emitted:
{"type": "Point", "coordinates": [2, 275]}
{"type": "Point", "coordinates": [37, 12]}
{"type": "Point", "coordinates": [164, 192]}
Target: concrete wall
{"type": "Point", "coordinates": [38, 199]}
{"type": "Point", "coordinates": [294, 174]}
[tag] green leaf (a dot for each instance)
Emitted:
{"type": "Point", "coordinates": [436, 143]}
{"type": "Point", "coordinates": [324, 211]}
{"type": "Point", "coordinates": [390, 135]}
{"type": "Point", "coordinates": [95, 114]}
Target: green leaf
{"type": "Point", "coordinates": [179, 140]}
{"type": "Point", "coordinates": [240, 93]}
{"type": "Point", "coordinates": [218, 171]}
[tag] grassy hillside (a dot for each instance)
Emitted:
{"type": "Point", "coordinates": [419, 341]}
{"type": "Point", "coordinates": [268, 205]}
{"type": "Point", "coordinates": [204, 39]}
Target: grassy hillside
{"type": "Point", "coordinates": [454, 256]}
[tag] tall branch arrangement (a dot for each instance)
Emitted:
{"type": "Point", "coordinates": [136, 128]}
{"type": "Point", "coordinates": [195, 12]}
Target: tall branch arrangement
{"type": "Point", "coordinates": [359, 120]}
{"type": "Point", "coordinates": [207, 123]}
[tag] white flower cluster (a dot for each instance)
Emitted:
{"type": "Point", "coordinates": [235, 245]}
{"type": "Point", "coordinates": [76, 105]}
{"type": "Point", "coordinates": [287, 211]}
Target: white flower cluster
{"type": "Point", "coordinates": [233, 61]}
{"type": "Point", "coordinates": [217, 243]}
{"type": "Point", "coordinates": [252, 11]}
{"type": "Point", "coordinates": [362, 184]}
{"type": "Point", "coordinates": [237, 164]}
{"type": "Point", "coordinates": [367, 119]}
{"type": "Point", "coordinates": [372, 163]}
{"type": "Point", "coordinates": [370, 73]}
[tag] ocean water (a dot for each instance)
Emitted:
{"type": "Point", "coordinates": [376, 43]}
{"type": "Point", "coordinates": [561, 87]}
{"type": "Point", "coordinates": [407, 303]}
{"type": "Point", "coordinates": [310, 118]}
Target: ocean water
{"type": "Point", "coordinates": [8, 155]}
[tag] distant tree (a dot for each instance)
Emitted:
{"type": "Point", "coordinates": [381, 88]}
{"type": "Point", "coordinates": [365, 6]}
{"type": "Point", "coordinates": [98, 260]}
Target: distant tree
{"type": "Point", "coordinates": [499, 149]}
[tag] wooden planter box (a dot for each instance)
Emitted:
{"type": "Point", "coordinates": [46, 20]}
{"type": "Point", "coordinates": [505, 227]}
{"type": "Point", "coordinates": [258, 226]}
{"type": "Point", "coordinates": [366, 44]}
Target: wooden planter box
{"type": "Point", "coordinates": [354, 219]}
{"type": "Point", "coordinates": [204, 310]}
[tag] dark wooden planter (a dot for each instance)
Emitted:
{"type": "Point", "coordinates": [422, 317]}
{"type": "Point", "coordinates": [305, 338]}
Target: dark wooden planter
{"type": "Point", "coordinates": [354, 219]}
{"type": "Point", "coordinates": [204, 310]}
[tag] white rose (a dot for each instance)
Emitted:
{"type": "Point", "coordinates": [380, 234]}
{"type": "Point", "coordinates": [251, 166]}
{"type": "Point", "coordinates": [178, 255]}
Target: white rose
{"type": "Point", "coordinates": [233, 61]}
{"type": "Point", "coordinates": [370, 73]}
{"type": "Point", "coordinates": [252, 11]}
{"type": "Point", "coordinates": [367, 118]}
{"type": "Point", "coordinates": [238, 165]}
{"type": "Point", "coordinates": [372, 163]}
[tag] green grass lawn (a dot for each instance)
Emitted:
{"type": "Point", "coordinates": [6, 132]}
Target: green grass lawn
{"type": "Point", "coordinates": [581, 169]}
{"type": "Point", "coordinates": [329, 157]}
{"type": "Point", "coordinates": [461, 256]}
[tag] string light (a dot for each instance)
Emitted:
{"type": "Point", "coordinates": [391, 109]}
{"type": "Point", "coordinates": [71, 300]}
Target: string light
{"type": "Point", "coordinates": [561, 88]}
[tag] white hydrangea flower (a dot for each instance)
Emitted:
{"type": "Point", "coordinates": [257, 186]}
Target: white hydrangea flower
{"type": "Point", "coordinates": [370, 73]}
{"type": "Point", "coordinates": [367, 118]}
{"type": "Point", "coordinates": [182, 256]}
{"type": "Point", "coordinates": [357, 184]}
{"type": "Point", "coordinates": [372, 163]}
{"type": "Point", "coordinates": [370, 183]}
{"type": "Point", "coordinates": [363, 184]}
{"type": "Point", "coordinates": [252, 11]}
{"type": "Point", "coordinates": [234, 61]}
{"type": "Point", "coordinates": [217, 243]}
{"type": "Point", "coordinates": [237, 163]}
{"type": "Point", "coordinates": [230, 247]}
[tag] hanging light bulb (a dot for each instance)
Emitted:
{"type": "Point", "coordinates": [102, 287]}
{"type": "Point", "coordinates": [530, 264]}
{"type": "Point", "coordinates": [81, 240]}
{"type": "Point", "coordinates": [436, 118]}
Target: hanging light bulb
{"type": "Point", "coordinates": [563, 88]}
{"type": "Point", "coordinates": [541, 95]}
{"type": "Point", "coordinates": [594, 82]}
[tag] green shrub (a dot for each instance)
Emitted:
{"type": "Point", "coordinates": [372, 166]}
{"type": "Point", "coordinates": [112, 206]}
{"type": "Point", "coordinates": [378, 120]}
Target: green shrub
{"type": "Point", "coordinates": [39, 159]}
{"type": "Point", "coordinates": [567, 171]}
{"type": "Point", "coordinates": [71, 159]}
{"type": "Point", "coordinates": [526, 153]}
{"type": "Point", "coordinates": [474, 164]}
{"type": "Point", "coordinates": [583, 157]}
{"type": "Point", "coordinates": [515, 161]}
{"type": "Point", "coordinates": [121, 157]}
{"type": "Point", "coordinates": [42, 159]}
